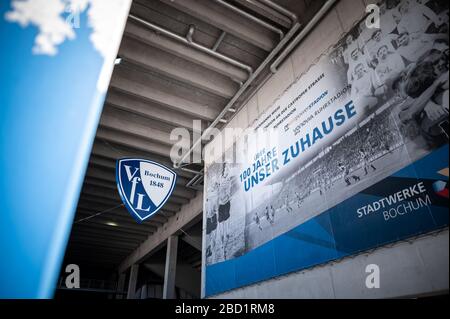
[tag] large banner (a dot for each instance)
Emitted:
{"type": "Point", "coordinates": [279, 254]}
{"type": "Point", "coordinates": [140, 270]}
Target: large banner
{"type": "Point", "coordinates": [352, 156]}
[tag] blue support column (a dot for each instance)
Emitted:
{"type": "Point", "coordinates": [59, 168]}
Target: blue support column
{"type": "Point", "coordinates": [51, 97]}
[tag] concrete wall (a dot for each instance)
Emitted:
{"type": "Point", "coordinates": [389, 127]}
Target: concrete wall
{"type": "Point", "coordinates": [417, 267]}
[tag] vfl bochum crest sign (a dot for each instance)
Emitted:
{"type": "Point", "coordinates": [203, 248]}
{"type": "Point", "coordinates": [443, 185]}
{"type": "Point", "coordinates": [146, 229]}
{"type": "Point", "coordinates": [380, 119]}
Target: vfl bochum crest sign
{"type": "Point", "coordinates": [144, 186]}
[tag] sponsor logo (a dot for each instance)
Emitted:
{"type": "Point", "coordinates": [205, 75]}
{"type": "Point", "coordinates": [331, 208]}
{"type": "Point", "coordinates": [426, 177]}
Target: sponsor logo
{"type": "Point", "coordinates": [441, 188]}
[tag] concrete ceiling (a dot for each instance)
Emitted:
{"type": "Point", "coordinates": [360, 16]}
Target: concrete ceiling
{"type": "Point", "coordinates": [162, 84]}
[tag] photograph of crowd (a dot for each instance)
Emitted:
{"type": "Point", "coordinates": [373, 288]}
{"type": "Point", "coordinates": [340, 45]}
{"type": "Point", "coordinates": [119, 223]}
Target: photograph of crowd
{"type": "Point", "coordinates": [399, 78]}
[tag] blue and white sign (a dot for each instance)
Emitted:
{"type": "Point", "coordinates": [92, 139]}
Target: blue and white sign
{"type": "Point", "coordinates": [356, 158]}
{"type": "Point", "coordinates": [144, 186]}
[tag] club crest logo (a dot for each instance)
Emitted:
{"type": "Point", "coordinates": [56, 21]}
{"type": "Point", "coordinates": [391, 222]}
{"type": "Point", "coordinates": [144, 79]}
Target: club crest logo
{"type": "Point", "coordinates": [144, 186]}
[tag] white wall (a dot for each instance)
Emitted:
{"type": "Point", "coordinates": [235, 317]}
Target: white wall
{"type": "Point", "coordinates": [413, 268]}
{"type": "Point", "coordinates": [417, 267]}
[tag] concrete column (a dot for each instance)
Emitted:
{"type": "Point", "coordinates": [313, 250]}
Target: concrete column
{"type": "Point", "coordinates": [133, 281]}
{"type": "Point", "coordinates": [170, 268]}
{"type": "Point", "coordinates": [144, 292]}
{"type": "Point", "coordinates": [121, 285]}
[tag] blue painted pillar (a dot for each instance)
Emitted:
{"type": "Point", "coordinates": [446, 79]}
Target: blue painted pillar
{"type": "Point", "coordinates": [55, 66]}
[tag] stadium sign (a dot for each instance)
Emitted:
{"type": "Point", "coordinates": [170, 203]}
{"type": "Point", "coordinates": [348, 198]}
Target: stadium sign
{"type": "Point", "coordinates": [360, 140]}
{"type": "Point", "coordinates": [144, 186]}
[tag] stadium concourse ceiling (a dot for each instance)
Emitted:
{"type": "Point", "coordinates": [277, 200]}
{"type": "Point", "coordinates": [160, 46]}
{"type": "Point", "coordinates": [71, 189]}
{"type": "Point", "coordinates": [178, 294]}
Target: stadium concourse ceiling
{"type": "Point", "coordinates": [167, 79]}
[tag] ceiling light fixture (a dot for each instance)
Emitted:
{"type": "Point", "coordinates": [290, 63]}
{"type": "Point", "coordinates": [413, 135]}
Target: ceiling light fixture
{"type": "Point", "coordinates": [111, 223]}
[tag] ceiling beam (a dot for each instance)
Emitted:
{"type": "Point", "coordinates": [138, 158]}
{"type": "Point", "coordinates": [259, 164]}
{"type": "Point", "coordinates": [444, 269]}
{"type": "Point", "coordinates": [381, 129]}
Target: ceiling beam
{"type": "Point", "coordinates": [86, 238]}
{"type": "Point", "coordinates": [140, 144]}
{"type": "Point", "coordinates": [265, 11]}
{"type": "Point", "coordinates": [188, 215]}
{"type": "Point", "coordinates": [179, 49]}
{"type": "Point", "coordinates": [161, 216]}
{"type": "Point", "coordinates": [148, 109]}
{"type": "Point", "coordinates": [103, 224]}
{"type": "Point", "coordinates": [228, 21]}
{"type": "Point", "coordinates": [115, 152]}
{"type": "Point", "coordinates": [101, 161]}
{"type": "Point", "coordinates": [177, 68]}
{"type": "Point", "coordinates": [100, 182]}
{"type": "Point", "coordinates": [179, 196]}
{"type": "Point", "coordinates": [139, 126]}
{"type": "Point", "coordinates": [194, 241]}
{"type": "Point", "coordinates": [114, 196]}
{"type": "Point", "coordinates": [101, 243]}
{"type": "Point", "coordinates": [122, 221]}
{"type": "Point", "coordinates": [85, 260]}
{"type": "Point", "coordinates": [80, 249]}
{"type": "Point", "coordinates": [110, 231]}
{"type": "Point", "coordinates": [110, 175]}
{"type": "Point", "coordinates": [141, 85]}
{"type": "Point", "coordinates": [96, 207]}
{"type": "Point", "coordinates": [113, 237]}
